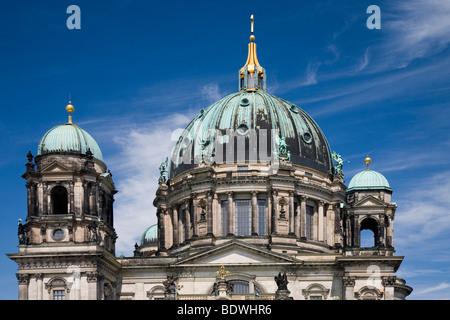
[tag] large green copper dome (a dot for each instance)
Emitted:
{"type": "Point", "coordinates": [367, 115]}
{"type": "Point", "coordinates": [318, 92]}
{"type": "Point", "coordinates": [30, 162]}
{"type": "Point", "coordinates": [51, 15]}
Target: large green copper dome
{"type": "Point", "coordinates": [68, 139]}
{"type": "Point", "coordinates": [252, 126]}
{"type": "Point", "coordinates": [247, 126]}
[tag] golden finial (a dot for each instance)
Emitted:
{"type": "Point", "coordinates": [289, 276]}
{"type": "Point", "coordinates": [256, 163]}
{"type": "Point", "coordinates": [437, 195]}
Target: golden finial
{"type": "Point", "coordinates": [70, 109]}
{"type": "Point", "coordinates": [367, 160]}
{"type": "Point", "coordinates": [252, 37]}
{"type": "Point", "coordinates": [222, 272]}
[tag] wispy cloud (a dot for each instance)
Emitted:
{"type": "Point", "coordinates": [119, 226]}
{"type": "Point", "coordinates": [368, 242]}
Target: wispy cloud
{"type": "Point", "coordinates": [141, 152]}
{"type": "Point", "coordinates": [439, 287]}
{"type": "Point", "coordinates": [417, 29]}
{"type": "Point", "coordinates": [423, 217]}
{"type": "Point", "coordinates": [364, 61]}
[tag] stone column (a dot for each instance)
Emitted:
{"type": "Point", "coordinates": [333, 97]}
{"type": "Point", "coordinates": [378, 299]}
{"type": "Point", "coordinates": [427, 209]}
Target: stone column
{"type": "Point", "coordinates": [85, 205]}
{"type": "Point", "coordinates": [194, 215]}
{"type": "Point", "coordinates": [297, 221]}
{"type": "Point", "coordinates": [24, 280]}
{"type": "Point", "coordinates": [161, 229]}
{"type": "Point", "coordinates": [291, 214]}
{"type": "Point", "coordinates": [39, 284]}
{"type": "Point", "coordinates": [45, 198]}
{"type": "Point", "coordinates": [330, 225]}
{"type": "Point", "coordinates": [254, 213]}
{"type": "Point", "coordinates": [274, 211]}
{"type": "Point", "coordinates": [175, 225]}
{"type": "Point", "coordinates": [303, 217]}
{"type": "Point", "coordinates": [230, 214]}
{"type": "Point", "coordinates": [388, 283]}
{"type": "Point", "coordinates": [209, 213]}
{"type": "Point", "coordinates": [269, 213]}
{"type": "Point", "coordinates": [92, 280]}
{"type": "Point", "coordinates": [187, 232]}
{"type": "Point", "coordinates": [349, 287]}
{"type": "Point", "coordinates": [71, 197]}
{"type": "Point", "coordinates": [92, 200]}
{"type": "Point", "coordinates": [356, 232]}
{"type": "Point", "coordinates": [320, 229]}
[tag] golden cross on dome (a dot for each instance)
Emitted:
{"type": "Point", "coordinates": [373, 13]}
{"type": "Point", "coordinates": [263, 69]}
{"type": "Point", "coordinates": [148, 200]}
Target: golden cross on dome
{"type": "Point", "coordinates": [252, 37]}
{"type": "Point", "coordinates": [222, 272]}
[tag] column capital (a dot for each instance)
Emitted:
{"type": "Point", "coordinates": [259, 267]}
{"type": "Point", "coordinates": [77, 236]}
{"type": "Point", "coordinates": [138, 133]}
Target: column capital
{"type": "Point", "coordinates": [23, 278]}
{"type": "Point", "coordinates": [389, 281]}
{"type": "Point", "coordinates": [348, 281]}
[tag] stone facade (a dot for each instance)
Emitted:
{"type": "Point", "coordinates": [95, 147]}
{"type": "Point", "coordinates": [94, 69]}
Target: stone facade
{"type": "Point", "coordinates": [272, 219]}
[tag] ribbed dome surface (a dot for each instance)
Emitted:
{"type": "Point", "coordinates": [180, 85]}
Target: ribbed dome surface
{"type": "Point", "coordinates": [367, 180]}
{"type": "Point", "coordinates": [260, 119]}
{"type": "Point", "coordinates": [150, 236]}
{"type": "Point", "coordinates": [68, 138]}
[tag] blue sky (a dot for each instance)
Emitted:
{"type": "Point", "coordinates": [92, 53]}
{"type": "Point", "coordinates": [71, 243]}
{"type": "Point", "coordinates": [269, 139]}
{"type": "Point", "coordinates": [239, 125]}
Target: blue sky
{"type": "Point", "coordinates": [138, 71]}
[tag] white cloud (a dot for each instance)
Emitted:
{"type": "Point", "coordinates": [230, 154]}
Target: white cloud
{"type": "Point", "coordinates": [440, 286]}
{"type": "Point", "coordinates": [423, 218]}
{"type": "Point", "coordinates": [211, 93]}
{"type": "Point", "coordinates": [418, 28]}
{"type": "Point", "coordinates": [142, 151]}
{"type": "Point", "coordinates": [364, 61]}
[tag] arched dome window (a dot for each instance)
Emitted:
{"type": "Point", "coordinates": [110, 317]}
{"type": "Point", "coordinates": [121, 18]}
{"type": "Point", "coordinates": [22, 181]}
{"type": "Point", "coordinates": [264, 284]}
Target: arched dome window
{"type": "Point", "coordinates": [59, 200]}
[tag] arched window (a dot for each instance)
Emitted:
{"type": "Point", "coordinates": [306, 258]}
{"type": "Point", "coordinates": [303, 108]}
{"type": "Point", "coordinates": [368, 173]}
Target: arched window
{"type": "Point", "coordinates": [59, 200]}
{"type": "Point", "coordinates": [369, 232]}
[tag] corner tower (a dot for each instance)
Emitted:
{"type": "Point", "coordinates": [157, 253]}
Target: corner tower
{"type": "Point", "coordinates": [69, 224]}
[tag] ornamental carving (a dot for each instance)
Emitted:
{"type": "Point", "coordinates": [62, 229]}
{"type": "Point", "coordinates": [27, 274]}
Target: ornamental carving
{"type": "Point", "coordinates": [348, 281]}
{"type": "Point", "coordinates": [23, 278]}
{"type": "Point", "coordinates": [389, 281]}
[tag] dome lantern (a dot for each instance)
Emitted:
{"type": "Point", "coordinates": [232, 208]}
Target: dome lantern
{"type": "Point", "coordinates": [252, 76]}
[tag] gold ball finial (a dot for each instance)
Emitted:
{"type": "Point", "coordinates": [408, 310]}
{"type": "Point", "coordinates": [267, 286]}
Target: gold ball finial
{"type": "Point", "coordinates": [252, 38]}
{"type": "Point", "coordinates": [367, 160]}
{"type": "Point", "coordinates": [70, 108]}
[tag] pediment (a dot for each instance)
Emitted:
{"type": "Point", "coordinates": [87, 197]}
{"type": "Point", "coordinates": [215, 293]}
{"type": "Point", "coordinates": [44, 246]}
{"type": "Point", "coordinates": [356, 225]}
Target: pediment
{"type": "Point", "coordinates": [236, 253]}
{"type": "Point", "coordinates": [370, 201]}
{"type": "Point", "coordinates": [55, 167]}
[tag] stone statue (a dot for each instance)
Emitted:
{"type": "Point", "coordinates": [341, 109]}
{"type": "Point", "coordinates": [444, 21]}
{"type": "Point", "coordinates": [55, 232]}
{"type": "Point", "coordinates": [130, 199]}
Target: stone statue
{"type": "Point", "coordinates": [169, 285]}
{"type": "Point", "coordinates": [283, 152]}
{"type": "Point", "coordinates": [93, 232]}
{"type": "Point", "coordinates": [339, 164]}
{"type": "Point", "coordinates": [162, 171]}
{"type": "Point", "coordinates": [22, 233]}
{"type": "Point", "coordinates": [282, 281]}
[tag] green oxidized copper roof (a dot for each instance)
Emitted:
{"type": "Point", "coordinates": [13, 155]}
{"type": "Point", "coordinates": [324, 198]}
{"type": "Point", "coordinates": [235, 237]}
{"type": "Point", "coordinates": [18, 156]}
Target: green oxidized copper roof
{"type": "Point", "coordinates": [245, 113]}
{"type": "Point", "coordinates": [68, 138]}
{"type": "Point", "coordinates": [150, 236]}
{"type": "Point", "coordinates": [368, 180]}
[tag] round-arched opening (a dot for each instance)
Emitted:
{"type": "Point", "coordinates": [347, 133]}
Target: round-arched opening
{"type": "Point", "coordinates": [59, 200]}
{"type": "Point", "coordinates": [369, 232]}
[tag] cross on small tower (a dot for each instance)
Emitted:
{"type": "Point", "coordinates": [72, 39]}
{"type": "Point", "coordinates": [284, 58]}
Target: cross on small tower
{"type": "Point", "coordinates": [222, 272]}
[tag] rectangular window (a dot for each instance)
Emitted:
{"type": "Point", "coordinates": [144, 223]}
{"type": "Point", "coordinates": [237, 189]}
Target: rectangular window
{"type": "Point", "coordinates": [243, 217]}
{"type": "Point", "coordinates": [59, 295]}
{"type": "Point", "coordinates": [224, 207]}
{"type": "Point", "coordinates": [262, 217]}
{"type": "Point", "coordinates": [309, 222]}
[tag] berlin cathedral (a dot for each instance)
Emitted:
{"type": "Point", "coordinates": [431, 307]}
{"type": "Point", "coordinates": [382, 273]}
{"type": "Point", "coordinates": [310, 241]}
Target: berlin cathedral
{"type": "Point", "coordinates": [250, 205]}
